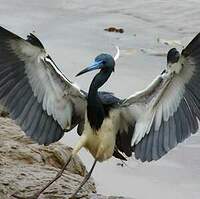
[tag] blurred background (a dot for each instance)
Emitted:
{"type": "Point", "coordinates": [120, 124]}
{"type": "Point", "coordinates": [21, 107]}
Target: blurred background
{"type": "Point", "coordinates": [73, 34]}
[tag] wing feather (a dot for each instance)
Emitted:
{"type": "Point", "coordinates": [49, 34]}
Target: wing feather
{"type": "Point", "coordinates": [37, 94]}
{"type": "Point", "coordinates": [167, 112]}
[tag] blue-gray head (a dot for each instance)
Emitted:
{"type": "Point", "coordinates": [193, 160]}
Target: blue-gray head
{"type": "Point", "coordinates": [104, 62]}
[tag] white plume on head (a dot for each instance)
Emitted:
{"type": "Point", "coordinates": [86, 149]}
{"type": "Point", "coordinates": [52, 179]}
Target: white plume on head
{"type": "Point", "coordinates": [117, 54]}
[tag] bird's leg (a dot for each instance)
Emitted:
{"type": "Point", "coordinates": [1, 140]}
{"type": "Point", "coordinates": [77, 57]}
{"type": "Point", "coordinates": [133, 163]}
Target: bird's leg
{"type": "Point", "coordinates": [59, 174]}
{"type": "Point", "coordinates": [84, 180]}
{"type": "Point", "coordinates": [76, 149]}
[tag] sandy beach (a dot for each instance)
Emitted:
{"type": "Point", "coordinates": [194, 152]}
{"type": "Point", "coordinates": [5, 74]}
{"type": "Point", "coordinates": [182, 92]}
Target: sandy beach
{"type": "Point", "coordinates": [73, 34]}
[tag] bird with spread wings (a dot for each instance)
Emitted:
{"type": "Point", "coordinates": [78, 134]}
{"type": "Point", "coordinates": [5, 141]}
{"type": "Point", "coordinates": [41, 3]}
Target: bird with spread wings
{"type": "Point", "coordinates": [148, 124]}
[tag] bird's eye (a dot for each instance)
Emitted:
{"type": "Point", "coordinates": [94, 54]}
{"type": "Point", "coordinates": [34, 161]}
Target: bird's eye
{"type": "Point", "coordinates": [104, 62]}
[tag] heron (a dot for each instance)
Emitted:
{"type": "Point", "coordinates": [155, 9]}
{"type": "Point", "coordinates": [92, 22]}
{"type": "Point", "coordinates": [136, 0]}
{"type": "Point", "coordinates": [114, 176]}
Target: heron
{"type": "Point", "coordinates": [147, 124]}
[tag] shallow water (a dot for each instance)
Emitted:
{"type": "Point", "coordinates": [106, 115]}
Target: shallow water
{"type": "Point", "coordinates": [73, 32]}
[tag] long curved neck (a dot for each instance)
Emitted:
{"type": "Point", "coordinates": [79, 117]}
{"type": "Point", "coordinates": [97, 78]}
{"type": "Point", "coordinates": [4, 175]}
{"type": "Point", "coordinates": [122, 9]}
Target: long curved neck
{"type": "Point", "coordinates": [95, 109]}
{"type": "Point", "coordinates": [97, 82]}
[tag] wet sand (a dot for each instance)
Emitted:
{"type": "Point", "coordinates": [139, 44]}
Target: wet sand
{"type": "Point", "coordinates": [73, 32]}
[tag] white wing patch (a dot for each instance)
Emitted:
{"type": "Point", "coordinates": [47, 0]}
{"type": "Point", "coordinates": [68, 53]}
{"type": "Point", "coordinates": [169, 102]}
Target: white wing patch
{"type": "Point", "coordinates": [167, 111]}
{"type": "Point", "coordinates": [50, 86]}
{"type": "Point", "coordinates": [160, 100]}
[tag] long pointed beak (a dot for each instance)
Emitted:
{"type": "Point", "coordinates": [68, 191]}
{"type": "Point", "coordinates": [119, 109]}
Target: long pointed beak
{"type": "Point", "coordinates": [93, 66]}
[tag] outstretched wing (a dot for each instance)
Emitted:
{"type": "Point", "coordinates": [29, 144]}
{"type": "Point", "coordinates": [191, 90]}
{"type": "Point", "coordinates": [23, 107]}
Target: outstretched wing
{"type": "Point", "coordinates": [38, 96]}
{"type": "Point", "coordinates": [166, 113]}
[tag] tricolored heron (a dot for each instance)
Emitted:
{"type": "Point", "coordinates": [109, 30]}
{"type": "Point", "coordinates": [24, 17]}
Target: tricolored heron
{"type": "Point", "coordinates": [148, 124]}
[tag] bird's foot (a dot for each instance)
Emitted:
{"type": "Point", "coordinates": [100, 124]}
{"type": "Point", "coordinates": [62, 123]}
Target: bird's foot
{"type": "Point", "coordinates": [35, 196]}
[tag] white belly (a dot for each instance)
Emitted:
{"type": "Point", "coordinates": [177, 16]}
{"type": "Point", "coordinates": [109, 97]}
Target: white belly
{"type": "Point", "coordinates": [101, 143]}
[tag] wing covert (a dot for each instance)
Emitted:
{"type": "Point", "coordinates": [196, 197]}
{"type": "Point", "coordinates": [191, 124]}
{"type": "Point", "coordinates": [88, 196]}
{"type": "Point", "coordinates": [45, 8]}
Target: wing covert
{"type": "Point", "coordinates": [167, 112]}
{"type": "Point", "coordinates": [37, 94]}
